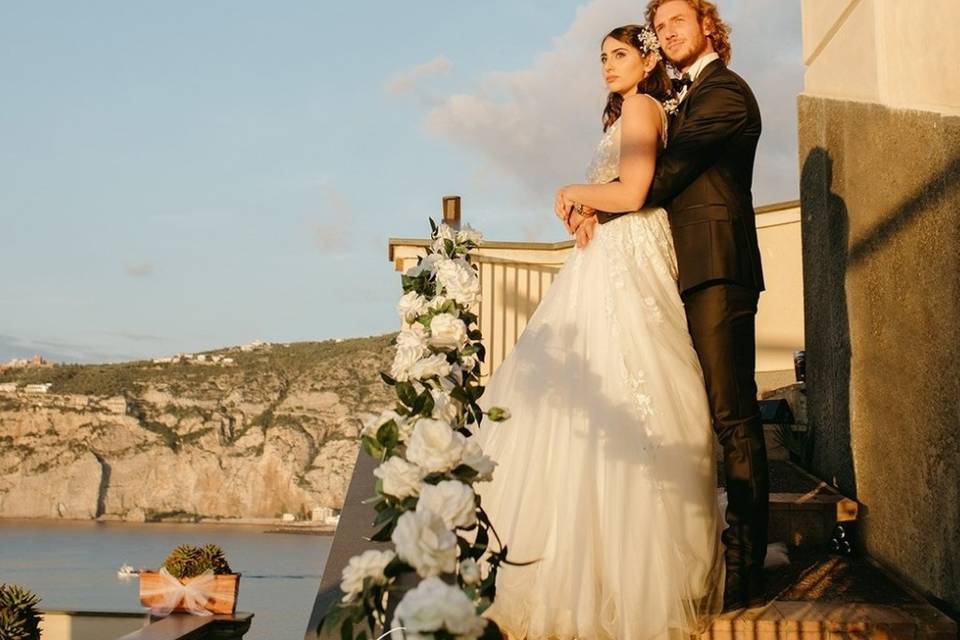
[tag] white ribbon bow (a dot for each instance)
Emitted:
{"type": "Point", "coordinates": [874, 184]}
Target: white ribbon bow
{"type": "Point", "coordinates": [195, 593]}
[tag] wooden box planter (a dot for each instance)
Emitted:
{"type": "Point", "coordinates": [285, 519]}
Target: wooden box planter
{"type": "Point", "coordinates": [224, 601]}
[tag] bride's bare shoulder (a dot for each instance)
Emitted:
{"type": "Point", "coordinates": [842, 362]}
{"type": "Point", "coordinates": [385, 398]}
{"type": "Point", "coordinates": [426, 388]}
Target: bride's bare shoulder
{"type": "Point", "coordinates": [642, 107]}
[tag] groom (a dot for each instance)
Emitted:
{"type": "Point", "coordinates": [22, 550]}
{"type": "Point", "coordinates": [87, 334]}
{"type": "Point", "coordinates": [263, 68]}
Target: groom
{"type": "Point", "coordinates": [703, 179]}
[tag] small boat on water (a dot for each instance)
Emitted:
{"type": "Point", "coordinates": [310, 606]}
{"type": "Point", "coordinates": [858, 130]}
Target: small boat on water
{"type": "Point", "coordinates": [126, 571]}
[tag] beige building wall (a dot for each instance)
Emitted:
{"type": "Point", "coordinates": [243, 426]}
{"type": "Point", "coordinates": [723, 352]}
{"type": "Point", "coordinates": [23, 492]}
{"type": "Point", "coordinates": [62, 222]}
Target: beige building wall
{"type": "Point", "coordinates": [514, 276]}
{"type": "Point", "coordinates": [898, 53]}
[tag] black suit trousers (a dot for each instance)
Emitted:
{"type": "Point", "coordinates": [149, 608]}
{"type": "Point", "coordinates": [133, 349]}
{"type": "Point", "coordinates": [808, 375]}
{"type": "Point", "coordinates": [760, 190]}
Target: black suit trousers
{"type": "Point", "coordinates": [721, 317]}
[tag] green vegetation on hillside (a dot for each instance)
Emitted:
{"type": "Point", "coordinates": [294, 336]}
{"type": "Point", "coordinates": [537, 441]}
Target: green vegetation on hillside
{"type": "Point", "coordinates": [277, 363]}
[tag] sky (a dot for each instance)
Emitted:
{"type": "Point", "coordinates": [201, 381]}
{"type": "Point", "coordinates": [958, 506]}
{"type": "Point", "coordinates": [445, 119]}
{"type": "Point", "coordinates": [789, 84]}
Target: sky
{"type": "Point", "coordinates": [183, 176]}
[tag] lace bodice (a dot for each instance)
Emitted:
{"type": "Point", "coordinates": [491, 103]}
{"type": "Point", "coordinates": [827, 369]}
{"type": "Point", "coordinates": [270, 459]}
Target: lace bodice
{"type": "Point", "coordinates": [605, 164]}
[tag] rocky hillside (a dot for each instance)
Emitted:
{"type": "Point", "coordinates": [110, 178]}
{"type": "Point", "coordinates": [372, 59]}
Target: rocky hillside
{"type": "Point", "coordinates": [275, 431]}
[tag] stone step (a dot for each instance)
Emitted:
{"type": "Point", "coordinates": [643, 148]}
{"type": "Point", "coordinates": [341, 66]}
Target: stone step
{"type": "Point", "coordinates": [820, 597]}
{"type": "Point", "coordinates": [804, 510]}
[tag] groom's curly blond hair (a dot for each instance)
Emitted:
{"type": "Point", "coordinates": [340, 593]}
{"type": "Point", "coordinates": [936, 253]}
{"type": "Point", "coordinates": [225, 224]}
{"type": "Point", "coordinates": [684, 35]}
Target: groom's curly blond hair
{"type": "Point", "coordinates": [706, 11]}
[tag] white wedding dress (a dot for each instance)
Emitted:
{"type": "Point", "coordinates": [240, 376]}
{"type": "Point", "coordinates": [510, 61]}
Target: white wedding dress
{"type": "Point", "coordinates": [606, 469]}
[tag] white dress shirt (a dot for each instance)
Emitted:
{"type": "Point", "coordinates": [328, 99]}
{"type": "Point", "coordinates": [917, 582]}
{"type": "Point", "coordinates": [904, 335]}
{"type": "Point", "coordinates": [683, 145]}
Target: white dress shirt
{"type": "Point", "coordinates": [695, 70]}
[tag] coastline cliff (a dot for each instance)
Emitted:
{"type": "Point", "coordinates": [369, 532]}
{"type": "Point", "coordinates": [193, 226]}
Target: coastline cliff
{"type": "Point", "coordinates": [233, 433]}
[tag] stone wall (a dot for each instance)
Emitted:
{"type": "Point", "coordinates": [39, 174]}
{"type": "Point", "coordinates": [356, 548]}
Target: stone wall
{"type": "Point", "coordinates": [880, 192]}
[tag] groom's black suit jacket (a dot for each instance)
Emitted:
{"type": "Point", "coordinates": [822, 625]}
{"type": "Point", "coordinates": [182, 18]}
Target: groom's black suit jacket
{"type": "Point", "coordinates": [703, 179]}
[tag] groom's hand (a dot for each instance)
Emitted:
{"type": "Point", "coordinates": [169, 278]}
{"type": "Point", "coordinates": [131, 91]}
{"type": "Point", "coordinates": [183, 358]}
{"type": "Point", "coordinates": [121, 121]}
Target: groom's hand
{"type": "Point", "coordinates": [562, 207]}
{"type": "Point", "coordinates": [576, 219]}
{"type": "Point", "coordinates": [585, 231]}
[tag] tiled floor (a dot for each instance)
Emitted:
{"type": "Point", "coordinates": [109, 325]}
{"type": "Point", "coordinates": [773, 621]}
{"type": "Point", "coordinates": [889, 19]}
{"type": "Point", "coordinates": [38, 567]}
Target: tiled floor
{"type": "Point", "coordinates": [830, 597]}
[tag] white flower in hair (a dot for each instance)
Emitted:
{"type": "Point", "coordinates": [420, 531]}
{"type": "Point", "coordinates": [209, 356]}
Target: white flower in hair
{"type": "Point", "coordinates": [649, 43]}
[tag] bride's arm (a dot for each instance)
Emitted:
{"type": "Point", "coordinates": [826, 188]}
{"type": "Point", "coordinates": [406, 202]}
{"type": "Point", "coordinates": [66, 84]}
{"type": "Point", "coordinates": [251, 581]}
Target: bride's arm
{"type": "Point", "coordinates": [639, 138]}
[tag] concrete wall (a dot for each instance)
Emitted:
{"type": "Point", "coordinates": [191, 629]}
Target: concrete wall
{"type": "Point", "coordinates": [880, 196]}
{"type": "Point", "coordinates": [880, 190]}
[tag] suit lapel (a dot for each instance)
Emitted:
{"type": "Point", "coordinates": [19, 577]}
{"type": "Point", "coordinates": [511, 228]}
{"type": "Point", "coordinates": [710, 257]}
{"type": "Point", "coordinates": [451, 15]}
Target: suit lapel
{"type": "Point", "coordinates": [681, 112]}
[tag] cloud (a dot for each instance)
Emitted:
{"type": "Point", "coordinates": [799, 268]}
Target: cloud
{"type": "Point", "coordinates": [140, 270]}
{"type": "Point", "coordinates": [332, 233]}
{"type": "Point", "coordinates": [535, 127]}
{"type": "Point", "coordinates": [406, 81]}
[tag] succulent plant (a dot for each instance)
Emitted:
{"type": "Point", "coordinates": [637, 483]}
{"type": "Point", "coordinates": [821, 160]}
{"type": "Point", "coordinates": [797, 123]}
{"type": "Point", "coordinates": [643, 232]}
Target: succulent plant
{"type": "Point", "coordinates": [187, 561]}
{"type": "Point", "coordinates": [19, 617]}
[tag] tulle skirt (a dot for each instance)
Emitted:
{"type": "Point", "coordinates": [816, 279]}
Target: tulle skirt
{"type": "Point", "coordinates": [606, 471]}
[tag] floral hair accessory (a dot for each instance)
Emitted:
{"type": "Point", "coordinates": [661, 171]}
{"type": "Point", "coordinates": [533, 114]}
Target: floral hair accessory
{"type": "Point", "coordinates": [649, 43]}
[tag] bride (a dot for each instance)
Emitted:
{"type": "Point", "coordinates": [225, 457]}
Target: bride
{"type": "Point", "coordinates": [606, 473]}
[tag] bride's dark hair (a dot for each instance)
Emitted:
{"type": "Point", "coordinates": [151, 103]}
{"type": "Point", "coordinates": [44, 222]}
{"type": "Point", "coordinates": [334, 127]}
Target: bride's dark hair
{"type": "Point", "coordinates": [657, 83]}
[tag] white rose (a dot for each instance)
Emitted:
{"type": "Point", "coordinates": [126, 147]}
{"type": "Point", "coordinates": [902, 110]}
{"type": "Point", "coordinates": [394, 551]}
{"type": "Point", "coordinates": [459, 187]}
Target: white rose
{"type": "Point", "coordinates": [371, 426]}
{"type": "Point", "coordinates": [368, 564]}
{"type": "Point", "coordinates": [427, 264]}
{"type": "Point", "coordinates": [411, 305]}
{"type": "Point", "coordinates": [470, 571]}
{"type": "Point", "coordinates": [451, 500]}
{"type": "Point", "coordinates": [447, 331]}
{"type": "Point", "coordinates": [435, 446]}
{"type": "Point", "coordinates": [444, 232]}
{"type": "Point", "coordinates": [434, 605]}
{"type": "Point", "coordinates": [476, 459]}
{"type": "Point", "coordinates": [437, 302]}
{"type": "Point", "coordinates": [470, 361]}
{"type": "Point", "coordinates": [400, 478]}
{"type": "Point", "coordinates": [403, 360]}
{"type": "Point", "coordinates": [445, 408]}
{"type": "Point", "coordinates": [459, 280]}
{"type": "Point", "coordinates": [468, 234]}
{"type": "Point", "coordinates": [435, 365]}
{"type": "Point", "coordinates": [413, 337]}
{"type": "Point", "coordinates": [424, 542]}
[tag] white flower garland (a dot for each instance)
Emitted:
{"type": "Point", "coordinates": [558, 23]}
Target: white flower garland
{"type": "Point", "coordinates": [429, 464]}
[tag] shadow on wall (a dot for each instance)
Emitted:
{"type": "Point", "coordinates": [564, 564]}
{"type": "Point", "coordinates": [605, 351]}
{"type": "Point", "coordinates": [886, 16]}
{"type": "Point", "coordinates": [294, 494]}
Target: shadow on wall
{"type": "Point", "coordinates": [825, 258]}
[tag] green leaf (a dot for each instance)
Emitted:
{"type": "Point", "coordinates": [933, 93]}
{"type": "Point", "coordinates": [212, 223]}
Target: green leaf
{"type": "Point", "coordinates": [384, 516]}
{"type": "Point", "coordinates": [428, 404]}
{"type": "Point", "coordinates": [417, 407]}
{"type": "Point", "coordinates": [433, 226]}
{"type": "Point", "coordinates": [465, 473]}
{"type": "Point", "coordinates": [396, 567]}
{"type": "Point", "coordinates": [346, 630]}
{"type": "Point", "coordinates": [475, 334]}
{"type": "Point", "coordinates": [460, 395]}
{"type": "Point", "coordinates": [386, 378]}
{"type": "Point", "coordinates": [406, 393]}
{"type": "Point", "coordinates": [383, 535]}
{"type": "Point", "coordinates": [388, 435]}
{"type": "Point", "coordinates": [372, 448]}
{"type": "Point", "coordinates": [331, 619]}
{"type": "Point", "coordinates": [480, 543]}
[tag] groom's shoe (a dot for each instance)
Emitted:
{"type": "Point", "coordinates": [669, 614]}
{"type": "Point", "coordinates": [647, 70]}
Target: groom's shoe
{"type": "Point", "coordinates": [744, 589]}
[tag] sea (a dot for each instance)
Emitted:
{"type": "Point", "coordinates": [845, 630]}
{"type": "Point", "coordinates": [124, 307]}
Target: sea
{"type": "Point", "coordinates": [72, 565]}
